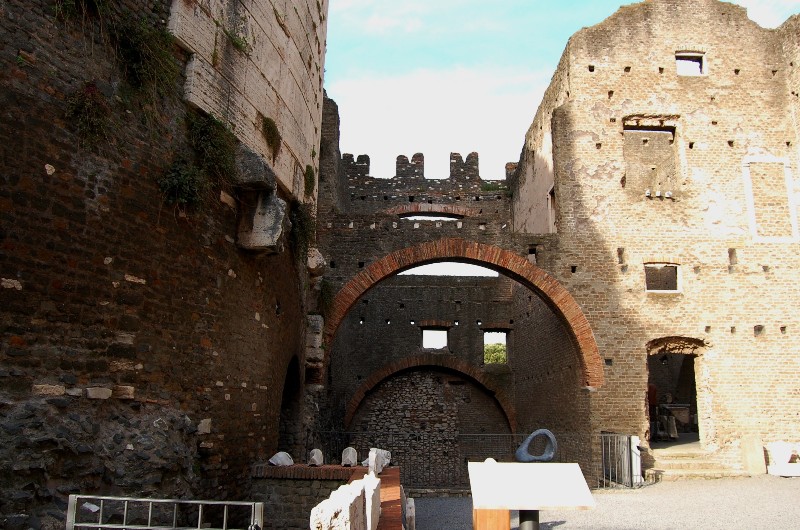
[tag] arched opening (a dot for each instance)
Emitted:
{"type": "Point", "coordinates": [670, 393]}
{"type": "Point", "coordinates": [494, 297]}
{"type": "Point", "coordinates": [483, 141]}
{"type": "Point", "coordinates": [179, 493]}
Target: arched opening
{"type": "Point", "coordinates": [672, 390]}
{"type": "Point", "coordinates": [376, 332]}
{"type": "Point", "coordinates": [547, 288]}
{"type": "Point", "coordinates": [292, 438]}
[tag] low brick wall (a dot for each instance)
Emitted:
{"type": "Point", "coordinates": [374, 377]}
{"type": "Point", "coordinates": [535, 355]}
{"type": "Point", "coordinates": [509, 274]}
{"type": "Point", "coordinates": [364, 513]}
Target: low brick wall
{"type": "Point", "coordinates": [290, 493]}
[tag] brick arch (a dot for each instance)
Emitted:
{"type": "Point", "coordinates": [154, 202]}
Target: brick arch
{"type": "Point", "coordinates": [423, 208]}
{"type": "Point", "coordinates": [491, 256]}
{"type": "Point", "coordinates": [447, 362]}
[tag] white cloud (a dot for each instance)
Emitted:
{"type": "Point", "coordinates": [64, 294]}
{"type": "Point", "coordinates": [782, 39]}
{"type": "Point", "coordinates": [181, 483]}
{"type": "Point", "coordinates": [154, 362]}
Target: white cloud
{"type": "Point", "coordinates": [484, 109]}
{"type": "Point", "coordinates": [770, 13]}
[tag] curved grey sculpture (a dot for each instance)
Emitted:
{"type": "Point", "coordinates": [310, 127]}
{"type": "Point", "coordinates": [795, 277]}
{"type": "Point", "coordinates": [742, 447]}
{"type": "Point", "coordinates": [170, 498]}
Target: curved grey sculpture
{"type": "Point", "coordinates": [522, 454]}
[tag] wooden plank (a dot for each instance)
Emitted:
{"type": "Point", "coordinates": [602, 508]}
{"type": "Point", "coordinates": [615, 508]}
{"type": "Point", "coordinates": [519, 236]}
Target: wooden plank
{"type": "Point", "coordinates": [491, 519]}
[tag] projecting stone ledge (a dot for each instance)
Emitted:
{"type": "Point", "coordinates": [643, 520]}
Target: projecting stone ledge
{"type": "Point", "coordinates": [262, 223]}
{"type": "Point", "coordinates": [253, 172]}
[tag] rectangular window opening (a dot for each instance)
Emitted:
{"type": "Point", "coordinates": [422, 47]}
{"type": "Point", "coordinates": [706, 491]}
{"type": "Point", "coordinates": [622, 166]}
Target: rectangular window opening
{"type": "Point", "coordinates": [434, 338]}
{"type": "Point", "coordinates": [661, 278]}
{"type": "Point", "coordinates": [494, 347]}
{"type": "Point", "coordinates": [690, 63]}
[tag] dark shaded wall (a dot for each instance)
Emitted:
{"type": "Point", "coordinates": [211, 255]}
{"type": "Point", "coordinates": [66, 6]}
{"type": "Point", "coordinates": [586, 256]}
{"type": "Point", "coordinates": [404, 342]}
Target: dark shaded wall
{"type": "Point", "coordinates": [125, 326]}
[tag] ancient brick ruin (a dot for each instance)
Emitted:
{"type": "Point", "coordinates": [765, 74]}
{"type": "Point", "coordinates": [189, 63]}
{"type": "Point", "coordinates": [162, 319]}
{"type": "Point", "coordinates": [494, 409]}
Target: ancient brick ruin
{"type": "Point", "coordinates": [646, 243]}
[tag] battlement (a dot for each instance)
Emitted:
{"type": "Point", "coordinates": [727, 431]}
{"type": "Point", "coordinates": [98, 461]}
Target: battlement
{"type": "Point", "coordinates": [460, 169]}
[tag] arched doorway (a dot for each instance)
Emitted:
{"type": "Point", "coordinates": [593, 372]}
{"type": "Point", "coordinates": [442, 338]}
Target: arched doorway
{"type": "Point", "coordinates": [672, 390]}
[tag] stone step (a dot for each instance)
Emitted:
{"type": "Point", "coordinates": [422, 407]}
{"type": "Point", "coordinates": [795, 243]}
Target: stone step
{"type": "Point", "coordinates": [668, 475]}
{"type": "Point", "coordinates": [685, 463]}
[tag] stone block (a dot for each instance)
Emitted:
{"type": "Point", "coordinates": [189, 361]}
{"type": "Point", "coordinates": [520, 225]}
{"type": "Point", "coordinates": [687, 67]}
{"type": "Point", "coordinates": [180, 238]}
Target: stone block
{"type": "Point", "coordinates": [263, 222]}
{"type": "Point", "coordinates": [315, 354]}
{"type": "Point", "coordinates": [253, 170]}
{"type": "Point", "coordinates": [315, 262]}
{"type": "Point", "coordinates": [48, 390]}
{"type": "Point", "coordinates": [124, 392]}
{"type": "Point", "coordinates": [372, 498]}
{"type": "Point", "coordinates": [98, 392]}
{"type": "Point", "coordinates": [343, 510]}
{"type": "Point", "coordinates": [204, 427]}
{"type": "Point", "coordinates": [411, 515]}
{"type": "Point", "coordinates": [378, 459]}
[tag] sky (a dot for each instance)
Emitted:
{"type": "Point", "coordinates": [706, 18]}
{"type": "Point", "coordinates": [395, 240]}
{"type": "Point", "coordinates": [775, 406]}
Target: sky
{"type": "Point", "coordinates": [435, 76]}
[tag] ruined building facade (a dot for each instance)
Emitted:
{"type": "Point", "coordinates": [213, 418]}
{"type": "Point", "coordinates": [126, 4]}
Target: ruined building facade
{"type": "Point", "coordinates": [647, 238]}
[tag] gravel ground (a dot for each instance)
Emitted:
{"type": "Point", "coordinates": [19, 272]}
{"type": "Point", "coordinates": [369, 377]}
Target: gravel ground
{"type": "Point", "coordinates": [761, 502]}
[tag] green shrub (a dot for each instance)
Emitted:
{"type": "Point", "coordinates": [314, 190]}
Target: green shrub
{"type": "Point", "coordinates": [214, 144]}
{"type": "Point", "coordinates": [272, 135]}
{"type": "Point", "coordinates": [89, 112]}
{"type": "Point", "coordinates": [183, 184]}
{"type": "Point", "coordinates": [311, 180]}
{"type": "Point", "coordinates": [146, 56]}
{"type": "Point", "coordinates": [304, 230]}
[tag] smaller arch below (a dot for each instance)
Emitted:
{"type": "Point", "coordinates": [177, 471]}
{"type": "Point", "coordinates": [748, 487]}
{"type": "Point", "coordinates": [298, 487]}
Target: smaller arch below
{"type": "Point", "coordinates": [676, 344]}
{"type": "Point", "coordinates": [449, 210]}
{"type": "Point", "coordinates": [432, 360]}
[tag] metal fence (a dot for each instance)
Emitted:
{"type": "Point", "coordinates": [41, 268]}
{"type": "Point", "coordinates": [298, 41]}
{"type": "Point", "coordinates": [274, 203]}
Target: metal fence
{"type": "Point", "coordinates": [621, 464]}
{"type": "Point", "coordinates": [107, 513]}
{"type": "Point", "coordinates": [432, 460]}
{"type": "Point", "coordinates": [438, 461]}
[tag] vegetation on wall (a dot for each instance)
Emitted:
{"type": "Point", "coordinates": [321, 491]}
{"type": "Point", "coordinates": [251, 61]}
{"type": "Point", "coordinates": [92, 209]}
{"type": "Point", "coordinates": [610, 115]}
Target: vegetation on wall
{"type": "Point", "coordinates": [272, 135]}
{"type": "Point", "coordinates": [184, 184]}
{"type": "Point", "coordinates": [304, 229]}
{"type": "Point", "coordinates": [146, 54]}
{"type": "Point", "coordinates": [89, 113]}
{"type": "Point", "coordinates": [310, 180]}
{"type": "Point", "coordinates": [214, 145]}
{"type": "Point", "coordinates": [70, 9]}
{"type": "Point", "coordinates": [237, 41]}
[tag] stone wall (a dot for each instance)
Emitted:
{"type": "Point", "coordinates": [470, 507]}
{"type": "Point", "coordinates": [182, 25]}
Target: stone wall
{"type": "Point", "coordinates": [141, 352]}
{"type": "Point", "coordinates": [734, 151]}
{"type": "Point", "coordinates": [289, 494]}
{"type": "Point", "coordinates": [253, 61]}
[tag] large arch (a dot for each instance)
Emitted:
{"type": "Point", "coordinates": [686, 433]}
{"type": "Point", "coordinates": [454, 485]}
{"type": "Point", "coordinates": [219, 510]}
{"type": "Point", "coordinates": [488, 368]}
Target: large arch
{"type": "Point", "coordinates": [501, 260]}
{"type": "Point", "coordinates": [448, 362]}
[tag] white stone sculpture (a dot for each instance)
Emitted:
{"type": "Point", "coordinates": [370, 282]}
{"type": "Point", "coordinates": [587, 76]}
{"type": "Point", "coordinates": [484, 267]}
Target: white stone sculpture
{"type": "Point", "coordinates": [281, 459]}
{"type": "Point", "coordinates": [349, 457]}
{"type": "Point", "coordinates": [315, 458]}
{"type": "Point", "coordinates": [378, 459]}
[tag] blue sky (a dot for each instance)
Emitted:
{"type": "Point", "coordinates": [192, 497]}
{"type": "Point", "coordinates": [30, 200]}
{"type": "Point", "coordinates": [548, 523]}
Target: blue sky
{"type": "Point", "coordinates": [436, 76]}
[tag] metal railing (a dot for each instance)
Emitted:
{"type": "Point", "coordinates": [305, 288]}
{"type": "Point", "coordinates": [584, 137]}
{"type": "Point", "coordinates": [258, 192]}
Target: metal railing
{"type": "Point", "coordinates": [620, 460]}
{"type": "Point", "coordinates": [431, 460]}
{"type": "Point", "coordinates": [129, 513]}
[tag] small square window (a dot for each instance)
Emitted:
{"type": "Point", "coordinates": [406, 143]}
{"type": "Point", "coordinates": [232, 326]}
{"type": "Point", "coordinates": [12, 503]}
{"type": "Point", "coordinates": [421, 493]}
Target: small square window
{"type": "Point", "coordinates": [494, 347]}
{"type": "Point", "coordinates": [434, 339]}
{"type": "Point", "coordinates": [690, 63]}
{"type": "Point", "coordinates": [661, 278]}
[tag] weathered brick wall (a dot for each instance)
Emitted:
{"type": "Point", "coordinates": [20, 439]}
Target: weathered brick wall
{"type": "Point", "coordinates": [740, 112]}
{"type": "Point", "coordinates": [106, 290]}
{"type": "Point", "coordinates": [386, 327]}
